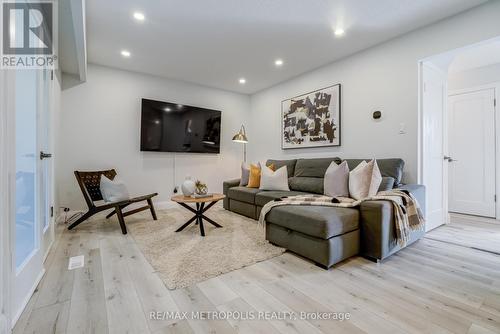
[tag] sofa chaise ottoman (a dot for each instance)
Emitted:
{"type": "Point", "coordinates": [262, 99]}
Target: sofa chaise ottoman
{"type": "Point", "coordinates": [326, 235]}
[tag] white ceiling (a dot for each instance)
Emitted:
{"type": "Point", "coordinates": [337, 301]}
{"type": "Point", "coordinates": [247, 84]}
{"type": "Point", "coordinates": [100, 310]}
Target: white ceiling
{"type": "Point", "coordinates": [215, 42]}
{"type": "Point", "coordinates": [475, 57]}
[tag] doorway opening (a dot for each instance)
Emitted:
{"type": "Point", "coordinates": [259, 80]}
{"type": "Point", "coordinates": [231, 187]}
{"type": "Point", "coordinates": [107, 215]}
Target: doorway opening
{"type": "Point", "coordinates": [459, 133]}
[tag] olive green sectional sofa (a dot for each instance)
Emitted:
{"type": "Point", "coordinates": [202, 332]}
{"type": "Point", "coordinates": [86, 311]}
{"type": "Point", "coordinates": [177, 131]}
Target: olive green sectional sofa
{"type": "Point", "coordinates": [326, 235]}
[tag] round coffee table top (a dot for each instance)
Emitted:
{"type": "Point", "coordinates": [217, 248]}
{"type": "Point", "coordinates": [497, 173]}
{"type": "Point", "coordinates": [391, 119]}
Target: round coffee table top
{"type": "Point", "coordinates": [188, 199]}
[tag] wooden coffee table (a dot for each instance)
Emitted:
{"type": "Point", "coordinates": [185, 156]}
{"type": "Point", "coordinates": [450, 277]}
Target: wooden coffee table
{"type": "Point", "coordinates": [199, 211]}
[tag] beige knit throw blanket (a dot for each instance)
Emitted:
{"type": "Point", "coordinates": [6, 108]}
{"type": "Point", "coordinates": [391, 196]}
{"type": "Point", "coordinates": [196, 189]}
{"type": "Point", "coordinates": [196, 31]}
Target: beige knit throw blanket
{"type": "Point", "coordinates": [407, 214]}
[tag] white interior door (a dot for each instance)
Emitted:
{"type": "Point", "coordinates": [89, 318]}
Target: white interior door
{"type": "Point", "coordinates": [6, 214]}
{"type": "Point", "coordinates": [27, 257]}
{"type": "Point", "coordinates": [433, 125]}
{"type": "Point", "coordinates": [45, 105]}
{"type": "Point", "coordinates": [33, 232]}
{"type": "Point", "coordinates": [472, 153]}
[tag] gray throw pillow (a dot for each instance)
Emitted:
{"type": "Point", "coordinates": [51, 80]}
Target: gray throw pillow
{"type": "Point", "coordinates": [336, 181]}
{"type": "Point", "coordinates": [245, 174]}
{"type": "Point", "coordinates": [386, 184]}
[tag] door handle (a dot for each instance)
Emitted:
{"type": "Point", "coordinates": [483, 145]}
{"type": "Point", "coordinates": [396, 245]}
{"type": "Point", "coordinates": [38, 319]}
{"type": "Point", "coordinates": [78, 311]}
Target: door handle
{"type": "Point", "coordinates": [450, 159]}
{"type": "Point", "coordinates": [44, 155]}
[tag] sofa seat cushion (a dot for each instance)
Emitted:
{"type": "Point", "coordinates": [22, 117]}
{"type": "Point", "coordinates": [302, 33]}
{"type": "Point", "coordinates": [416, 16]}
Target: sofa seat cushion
{"type": "Point", "coordinates": [266, 196]}
{"type": "Point", "coordinates": [317, 221]}
{"type": "Point", "coordinates": [243, 194]}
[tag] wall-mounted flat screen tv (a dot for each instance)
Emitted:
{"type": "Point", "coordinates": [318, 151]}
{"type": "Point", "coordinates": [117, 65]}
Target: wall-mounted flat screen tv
{"type": "Point", "coordinates": [172, 127]}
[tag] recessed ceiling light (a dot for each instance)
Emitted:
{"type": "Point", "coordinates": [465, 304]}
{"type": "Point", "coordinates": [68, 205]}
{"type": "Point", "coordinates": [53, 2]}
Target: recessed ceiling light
{"type": "Point", "coordinates": [278, 62]}
{"type": "Point", "coordinates": [139, 16]}
{"type": "Point", "coordinates": [339, 32]}
{"type": "Point", "coordinates": [242, 81]}
{"type": "Point", "coordinates": [125, 53]}
{"type": "Point", "coordinates": [167, 109]}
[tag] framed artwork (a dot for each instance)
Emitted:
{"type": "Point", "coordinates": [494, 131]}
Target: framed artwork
{"type": "Point", "coordinates": [311, 119]}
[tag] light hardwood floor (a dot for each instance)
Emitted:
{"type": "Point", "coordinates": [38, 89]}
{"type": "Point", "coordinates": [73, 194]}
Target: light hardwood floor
{"type": "Point", "coordinates": [441, 284]}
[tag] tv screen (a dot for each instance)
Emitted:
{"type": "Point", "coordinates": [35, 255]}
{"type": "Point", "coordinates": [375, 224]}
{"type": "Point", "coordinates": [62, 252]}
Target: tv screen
{"type": "Point", "coordinates": [172, 127]}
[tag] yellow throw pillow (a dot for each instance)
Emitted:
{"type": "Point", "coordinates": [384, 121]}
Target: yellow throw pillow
{"type": "Point", "coordinates": [254, 179]}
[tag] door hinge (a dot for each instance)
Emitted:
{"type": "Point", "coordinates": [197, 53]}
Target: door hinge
{"type": "Point", "coordinates": [51, 211]}
{"type": "Point", "coordinates": [494, 102]}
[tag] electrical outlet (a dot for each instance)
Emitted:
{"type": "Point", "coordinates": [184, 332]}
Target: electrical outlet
{"type": "Point", "coordinates": [402, 128]}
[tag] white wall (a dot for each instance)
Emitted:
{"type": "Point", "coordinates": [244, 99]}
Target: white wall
{"type": "Point", "coordinates": [474, 78]}
{"type": "Point", "coordinates": [56, 136]}
{"type": "Point", "coordinates": [100, 129]}
{"type": "Point", "coordinates": [383, 78]}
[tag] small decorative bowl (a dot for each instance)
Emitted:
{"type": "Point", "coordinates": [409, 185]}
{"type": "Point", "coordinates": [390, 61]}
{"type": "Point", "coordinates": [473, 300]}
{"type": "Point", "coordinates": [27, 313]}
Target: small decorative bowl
{"type": "Point", "coordinates": [202, 190]}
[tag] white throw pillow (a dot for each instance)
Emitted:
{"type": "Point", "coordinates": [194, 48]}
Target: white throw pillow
{"type": "Point", "coordinates": [274, 180]}
{"type": "Point", "coordinates": [364, 180]}
{"type": "Point", "coordinates": [113, 190]}
{"type": "Point", "coordinates": [336, 181]}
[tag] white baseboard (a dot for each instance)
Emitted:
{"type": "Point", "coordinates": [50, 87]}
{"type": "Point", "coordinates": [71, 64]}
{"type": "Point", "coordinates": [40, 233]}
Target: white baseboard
{"type": "Point", "coordinates": [47, 251]}
{"type": "Point", "coordinates": [472, 217]}
{"type": "Point", "coordinates": [18, 313]}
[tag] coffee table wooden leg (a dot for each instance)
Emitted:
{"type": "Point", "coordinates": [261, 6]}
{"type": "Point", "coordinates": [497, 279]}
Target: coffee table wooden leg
{"type": "Point", "coordinates": [208, 206]}
{"type": "Point", "coordinates": [202, 230]}
{"type": "Point", "coordinates": [186, 224]}
{"type": "Point", "coordinates": [197, 211]}
{"type": "Point", "coordinates": [210, 221]}
{"type": "Point", "coordinates": [188, 207]}
{"type": "Point", "coordinates": [200, 220]}
{"type": "Point", "coordinates": [199, 216]}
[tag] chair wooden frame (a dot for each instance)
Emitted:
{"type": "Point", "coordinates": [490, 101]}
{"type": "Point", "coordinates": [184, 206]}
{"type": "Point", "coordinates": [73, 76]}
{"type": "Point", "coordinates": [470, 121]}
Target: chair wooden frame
{"type": "Point", "coordinates": [89, 183]}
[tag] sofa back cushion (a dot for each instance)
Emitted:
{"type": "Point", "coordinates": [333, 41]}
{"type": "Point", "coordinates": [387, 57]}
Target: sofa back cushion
{"type": "Point", "coordinates": [309, 174]}
{"type": "Point", "coordinates": [388, 167]}
{"type": "Point", "coordinates": [306, 184]}
{"type": "Point", "coordinates": [313, 167]}
{"type": "Point", "coordinates": [290, 165]}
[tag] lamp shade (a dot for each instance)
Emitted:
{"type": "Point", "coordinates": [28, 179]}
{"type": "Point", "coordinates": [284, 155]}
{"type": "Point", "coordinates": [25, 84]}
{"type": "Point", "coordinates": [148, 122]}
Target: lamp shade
{"type": "Point", "coordinates": [241, 136]}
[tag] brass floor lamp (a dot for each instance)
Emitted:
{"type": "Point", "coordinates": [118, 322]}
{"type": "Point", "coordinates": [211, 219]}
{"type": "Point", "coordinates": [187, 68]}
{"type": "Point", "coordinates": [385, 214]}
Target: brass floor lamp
{"type": "Point", "coordinates": [241, 137]}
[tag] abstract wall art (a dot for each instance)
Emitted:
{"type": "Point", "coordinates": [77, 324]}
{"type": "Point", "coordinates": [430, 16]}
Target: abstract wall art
{"type": "Point", "coordinates": [311, 119]}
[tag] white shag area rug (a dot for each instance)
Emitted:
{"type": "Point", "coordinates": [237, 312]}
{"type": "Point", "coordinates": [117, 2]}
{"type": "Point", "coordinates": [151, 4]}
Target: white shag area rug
{"type": "Point", "coordinates": [184, 258]}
